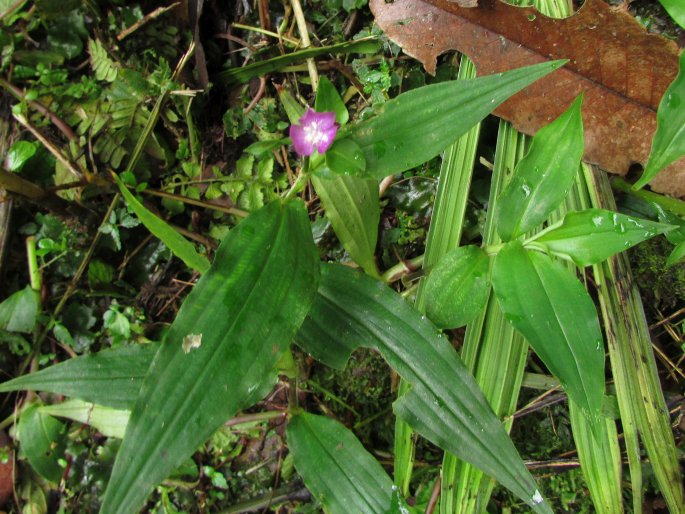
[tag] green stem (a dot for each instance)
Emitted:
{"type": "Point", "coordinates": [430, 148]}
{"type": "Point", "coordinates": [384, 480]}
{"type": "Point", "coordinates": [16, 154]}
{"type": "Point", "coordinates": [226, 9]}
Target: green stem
{"type": "Point", "coordinates": [35, 276]}
{"type": "Point", "coordinates": [401, 269]}
{"type": "Point", "coordinates": [300, 182]}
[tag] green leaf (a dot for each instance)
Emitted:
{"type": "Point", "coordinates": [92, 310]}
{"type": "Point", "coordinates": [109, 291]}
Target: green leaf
{"type": "Point", "coordinates": [593, 235]}
{"type": "Point", "coordinates": [241, 316]}
{"type": "Point", "coordinates": [245, 73]}
{"type": "Point", "coordinates": [551, 308]}
{"type": "Point", "coordinates": [109, 422]}
{"type": "Point", "coordinates": [19, 153]}
{"type": "Point", "coordinates": [543, 177]}
{"type": "Point", "coordinates": [328, 100]}
{"type": "Point", "coordinates": [444, 404]}
{"type": "Point", "coordinates": [458, 287]}
{"type": "Point", "coordinates": [111, 377]}
{"type": "Point", "coordinates": [669, 140]}
{"type": "Point", "coordinates": [676, 9]}
{"type": "Point", "coordinates": [294, 109]}
{"type": "Point", "coordinates": [345, 157]}
{"type": "Point", "coordinates": [19, 312]}
{"type": "Point", "coordinates": [352, 206]}
{"type": "Point", "coordinates": [674, 236]}
{"type": "Point", "coordinates": [41, 437]}
{"type": "Point", "coordinates": [336, 468]}
{"type": "Point", "coordinates": [180, 246]}
{"type": "Point", "coordinates": [419, 124]}
{"type": "Point", "coordinates": [676, 255]}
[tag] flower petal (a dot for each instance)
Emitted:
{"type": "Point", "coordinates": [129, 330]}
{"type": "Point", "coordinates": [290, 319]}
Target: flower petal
{"type": "Point", "coordinates": [302, 146]}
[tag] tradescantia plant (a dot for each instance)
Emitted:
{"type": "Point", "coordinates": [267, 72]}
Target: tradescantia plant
{"type": "Point", "coordinates": [266, 289]}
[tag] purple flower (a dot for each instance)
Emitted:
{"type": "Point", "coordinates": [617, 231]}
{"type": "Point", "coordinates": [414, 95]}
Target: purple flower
{"type": "Point", "coordinates": [316, 131]}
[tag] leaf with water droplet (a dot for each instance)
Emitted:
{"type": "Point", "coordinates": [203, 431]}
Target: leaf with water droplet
{"type": "Point", "coordinates": [543, 177]}
{"type": "Point", "coordinates": [592, 236]}
{"type": "Point", "coordinates": [551, 308]}
{"type": "Point", "coordinates": [345, 157]}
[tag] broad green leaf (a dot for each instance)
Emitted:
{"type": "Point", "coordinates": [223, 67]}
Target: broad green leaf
{"type": "Point", "coordinates": [669, 140]}
{"type": "Point", "coordinates": [109, 422]}
{"type": "Point", "coordinates": [352, 206]}
{"type": "Point", "coordinates": [328, 100]}
{"type": "Point", "coordinates": [179, 245]}
{"type": "Point", "coordinates": [444, 403]}
{"type": "Point", "coordinates": [336, 468]}
{"type": "Point", "coordinates": [111, 377]}
{"type": "Point", "coordinates": [19, 312]}
{"type": "Point", "coordinates": [243, 74]}
{"type": "Point", "coordinates": [551, 308]}
{"type": "Point", "coordinates": [676, 9]}
{"type": "Point", "coordinates": [593, 235]}
{"type": "Point", "coordinates": [419, 124]}
{"type": "Point", "coordinates": [42, 441]}
{"type": "Point", "coordinates": [458, 287]}
{"type": "Point", "coordinates": [19, 153]}
{"type": "Point", "coordinates": [241, 316]}
{"type": "Point", "coordinates": [543, 177]}
{"type": "Point", "coordinates": [346, 157]}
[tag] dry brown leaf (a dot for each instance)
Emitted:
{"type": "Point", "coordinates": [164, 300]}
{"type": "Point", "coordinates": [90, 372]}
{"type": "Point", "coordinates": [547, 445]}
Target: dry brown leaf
{"type": "Point", "coordinates": [622, 70]}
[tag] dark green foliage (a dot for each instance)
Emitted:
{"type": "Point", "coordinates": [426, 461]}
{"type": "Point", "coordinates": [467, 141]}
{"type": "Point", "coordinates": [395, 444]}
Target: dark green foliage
{"type": "Point", "coordinates": [663, 286]}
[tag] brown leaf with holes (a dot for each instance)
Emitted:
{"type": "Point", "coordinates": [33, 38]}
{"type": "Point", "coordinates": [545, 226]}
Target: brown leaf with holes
{"type": "Point", "coordinates": [622, 71]}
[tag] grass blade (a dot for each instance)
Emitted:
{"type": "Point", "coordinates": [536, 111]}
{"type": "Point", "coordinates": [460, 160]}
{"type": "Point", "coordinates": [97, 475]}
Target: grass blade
{"type": "Point", "coordinates": [638, 389]}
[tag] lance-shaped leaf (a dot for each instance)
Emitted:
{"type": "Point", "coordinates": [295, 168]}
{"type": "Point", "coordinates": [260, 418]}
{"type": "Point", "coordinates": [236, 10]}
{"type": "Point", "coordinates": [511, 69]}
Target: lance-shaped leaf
{"type": "Point", "coordinates": [181, 247]}
{"type": "Point", "coordinates": [554, 312]}
{"type": "Point", "coordinates": [669, 140]}
{"type": "Point", "coordinates": [328, 99]}
{"type": "Point", "coordinates": [352, 206]}
{"type": "Point", "coordinates": [336, 468]}
{"type": "Point", "coordinates": [593, 235]}
{"type": "Point", "coordinates": [458, 287]}
{"type": "Point", "coordinates": [419, 124]}
{"type": "Point", "coordinates": [543, 177]}
{"type": "Point", "coordinates": [111, 377]}
{"type": "Point", "coordinates": [444, 403]}
{"type": "Point", "coordinates": [219, 354]}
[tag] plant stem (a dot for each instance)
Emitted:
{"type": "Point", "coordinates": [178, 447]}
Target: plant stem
{"type": "Point", "coordinates": [300, 182]}
{"type": "Point", "coordinates": [35, 276]}
{"type": "Point", "coordinates": [304, 35]}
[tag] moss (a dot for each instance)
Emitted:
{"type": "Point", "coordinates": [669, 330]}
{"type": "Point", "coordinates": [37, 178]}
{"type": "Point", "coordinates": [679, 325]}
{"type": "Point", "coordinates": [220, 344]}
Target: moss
{"type": "Point", "coordinates": [661, 286]}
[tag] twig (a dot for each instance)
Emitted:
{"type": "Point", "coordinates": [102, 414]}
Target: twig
{"type": "Point", "coordinates": [146, 19]}
{"type": "Point", "coordinates": [257, 96]}
{"type": "Point", "coordinates": [56, 120]}
{"type": "Point", "coordinates": [293, 42]}
{"type": "Point", "coordinates": [59, 155]}
{"type": "Point", "coordinates": [435, 496]}
{"type": "Point", "coordinates": [304, 35]}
